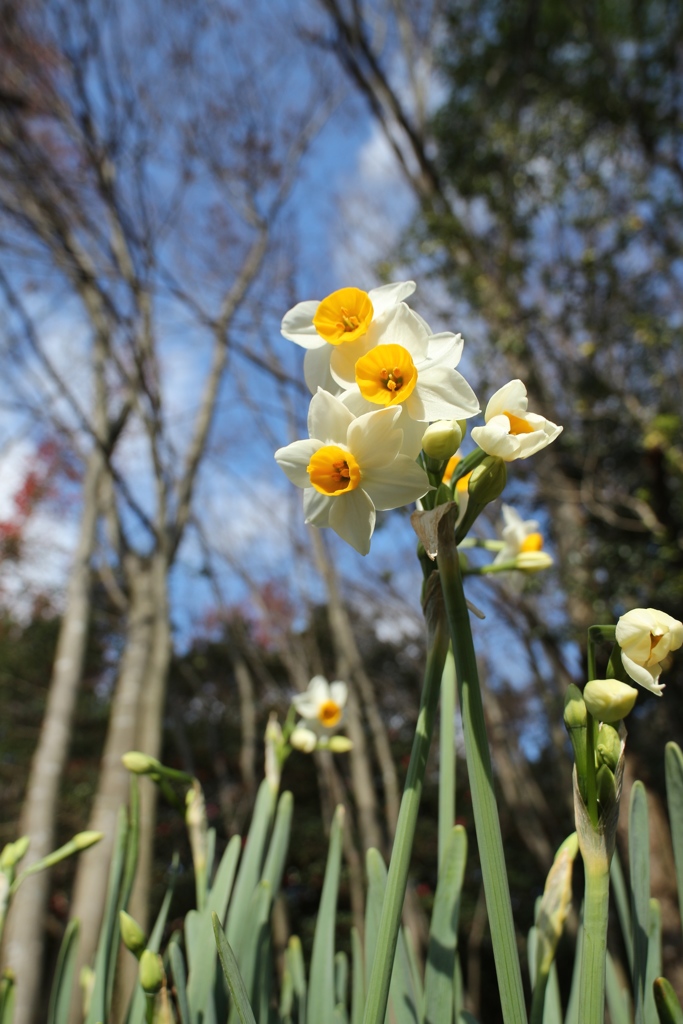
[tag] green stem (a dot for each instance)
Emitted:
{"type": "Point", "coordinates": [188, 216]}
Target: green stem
{"type": "Point", "coordinates": [481, 784]}
{"type": "Point", "coordinates": [591, 781]}
{"type": "Point", "coordinates": [538, 999]}
{"type": "Point", "coordinates": [594, 948]}
{"type": "Point", "coordinates": [447, 755]}
{"type": "Point", "coordinates": [387, 936]}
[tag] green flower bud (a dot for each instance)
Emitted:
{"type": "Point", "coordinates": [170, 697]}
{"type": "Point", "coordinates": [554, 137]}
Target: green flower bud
{"type": "Point", "coordinates": [85, 839]}
{"type": "Point", "coordinates": [669, 1009]}
{"type": "Point", "coordinates": [340, 744]}
{"type": "Point", "coordinates": [608, 700]}
{"type": "Point", "coordinates": [606, 787]}
{"type": "Point", "coordinates": [575, 720]}
{"type": "Point", "coordinates": [488, 480]}
{"type": "Point", "coordinates": [442, 439]}
{"type": "Point", "coordinates": [533, 561]}
{"type": "Point", "coordinates": [151, 972]}
{"type": "Point", "coordinates": [608, 746]}
{"type": "Point", "coordinates": [141, 764]}
{"type": "Point", "coordinates": [132, 934]}
{"type": "Point", "coordinates": [13, 852]}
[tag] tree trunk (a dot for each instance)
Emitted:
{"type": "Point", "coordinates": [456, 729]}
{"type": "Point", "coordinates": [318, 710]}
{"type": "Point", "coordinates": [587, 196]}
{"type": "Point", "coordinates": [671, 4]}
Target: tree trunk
{"type": "Point", "coordinates": [93, 866]}
{"type": "Point", "coordinates": [24, 935]}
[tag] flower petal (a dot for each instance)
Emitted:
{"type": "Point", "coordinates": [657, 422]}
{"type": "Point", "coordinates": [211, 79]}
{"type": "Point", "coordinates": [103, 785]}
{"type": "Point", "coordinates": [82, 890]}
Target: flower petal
{"type": "Point", "coordinates": [297, 325]}
{"type": "Point", "coordinates": [317, 370]}
{"type": "Point", "coordinates": [444, 349]}
{"type": "Point", "coordinates": [395, 485]}
{"type": "Point", "coordinates": [353, 518]}
{"type": "Point", "coordinates": [317, 507]}
{"type": "Point", "coordinates": [339, 692]}
{"type": "Point", "coordinates": [510, 398]}
{"type": "Point", "coordinates": [445, 394]}
{"type": "Point", "coordinates": [328, 418]}
{"type": "Point", "coordinates": [495, 438]}
{"type": "Point", "coordinates": [294, 459]}
{"type": "Point", "coordinates": [388, 295]}
{"type": "Point", "coordinates": [647, 677]}
{"type": "Point", "coordinates": [373, 438]}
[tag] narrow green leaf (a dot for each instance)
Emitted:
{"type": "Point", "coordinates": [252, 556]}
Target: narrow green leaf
{"type": "Point", "coordinates": [341, 977]}
{"type": "Point", "coordinates": [321, 983]}
{"type": "Point", "coordinates": [279, 844]}
{"type": "Point", "coordinates": [639, 856]}
{"type": "Point", "coordinates": [105, 958]}
{"type": "Point", "coordinates": [623, 903]}
{"type": "Point", "coordinates": [60, 995]}
{"type": "Point", "coordinates": [552, 1011]}
{"type": "Point", "coordinates": [175, 956]}
{"type": "Point", "coordinates": [376, 873]}
{"type": "Point", "coordinates": [295, 961]}
{"type": "Point", "coordinates": [232, 975]}
{"type": "Point", "coordinates": [654, 961]}
{"type": "Point", "coordinates": [572, 1015]}
{"type": "Point", "coordinates": [286, 996]}
{"type": "Point", "coordinates": [443, 932]}
{"type": "Point", "coordinates": [358, 982]}
{"type": "Point", "coordinates": [618, 1000]}
{"type": "Point", "coordinates": [219, 894]}
{"type": "Point", "coordinates": [668, 1006]}
{"type": "Point", "coordinates": [339, 1016]}
{"type": "Point", "coordinates": [467, 1018]}
{"type": "Point", "coordinates": [673, 760]}
{"type": "Point", "coordinates": [8, 995]}
{"type": "Point", "coordinates": [250, 866]}
{"type": "Point", "coordinates": [251, 946]}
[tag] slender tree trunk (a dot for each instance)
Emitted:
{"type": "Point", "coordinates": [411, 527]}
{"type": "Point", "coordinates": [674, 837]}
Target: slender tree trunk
{"type": "Point", "coordinates": [25, 924]}
{"type": "Point", "coordinates": [93, 866]}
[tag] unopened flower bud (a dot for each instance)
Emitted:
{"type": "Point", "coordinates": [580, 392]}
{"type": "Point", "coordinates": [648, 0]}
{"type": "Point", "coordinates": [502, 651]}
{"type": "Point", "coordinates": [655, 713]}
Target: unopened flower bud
{"type": "Point", "coordinates": [488, 480]}
{"type": "Point", "coordinates": [442, 439]}
{"type": "Point", "coordinates": [608, 700]}
{"type": "Point", "coordinates": [132, 934]}
{"type": "Point", "coordinates": [303, 739]}
{"type": "Point", "coordinates": [666, 1001]}
{"type": "Point", "coordinates": [340, 744]}
{"type": "Point", "coordinates": [533, 561]}
{"type": "Point", "coordinates": [575, 720]}
{"type": "Point", "coordinates": [151, 972]}
{"type": "Point", "coordinates": [608, 746]}
{"type": "Point", "coordinates": [606, 787]}
{"type": "Point", "coordinates": [85, 839]}
{"type": "Point", "coordinates": [13, 852]}
{"type": "Point", "coordinates": [140, 764]}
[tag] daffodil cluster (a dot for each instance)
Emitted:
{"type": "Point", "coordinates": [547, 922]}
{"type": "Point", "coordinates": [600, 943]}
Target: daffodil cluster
{"type": "Point", "coordinates": [388, 409]}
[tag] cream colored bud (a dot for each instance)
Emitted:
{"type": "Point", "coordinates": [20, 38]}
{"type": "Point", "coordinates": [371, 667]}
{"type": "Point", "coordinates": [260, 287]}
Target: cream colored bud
{"type": "Point", "coordinates": [609, 700]}
{"type": "Point", "coordinates": [140, 764]}
{"type": "Point", "coordinates": [340, 744]}
{"type": "Point", "coordinates": [132, 934]}
{"type": "Point", "coordinates": [488, 480]}
{"type": "Point", "coordinates": [533, 561]}
{"type": "Point", "coordinates": [151, 972]}
{"type": "Point", "coordinates": [442, 439]}
{"type": "Point", "coordinates": [303, 739]}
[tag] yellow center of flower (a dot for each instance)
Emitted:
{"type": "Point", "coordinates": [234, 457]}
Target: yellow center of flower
{"type": "Point", "coordinates": [329, 714]}
{"type": "Point", "coordinates": [386, 375]}
{"type": "Point", "coordinates": [343, 316]}
{"type": "Point", "coordinates": [534, 542]}
{"type": "Point", "coordinates": [518, 425]}
{"type": "Point", "coordinates": [654, 640]}
{"type": "Point", "coordinates": [333, 470]}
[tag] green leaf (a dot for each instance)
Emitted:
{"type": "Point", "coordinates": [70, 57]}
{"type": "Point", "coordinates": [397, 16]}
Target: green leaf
{"type": "Point", "coordinates": [232, 975]}
{"type": "Point", "coordinates": [252, 951]}
{"type": "Point", "coordinates": [8, 994]}
{"type": "Point", "coordinates": [341, 977]}
{"type": "Point", "coordinates": [618, 1000]}
{"type": "Point", "coordinates": [358, 982]}
{"type": "Point", "coordinates": [654, 961]}
{"type": "Point", "coordinates": [572, 1015]}
{"type": "Point", "coordinates": [60, 995]}
{"type": "Point", "coordinates": [219, 893]}
{"type": "Point", "coordinates": [279, 844]}
{"type": "Point", "coordinates": [177, 963]}
{"type": "Point", "coordinates": [295, 962]}
{"type": "Point", "coordinates": [443, 932]}
{"type": "Point", "coordinates": [105, 958]}
{"type": "Point", "coordinates": [668, 1006]}
{"type": "Point", "coordinates": [136, 1011]}
{"type": "Point", "coordinates": [321, 984]}
{"type": "Point", "coordinates": [250, 866]}
{"type": "Point", "coordinates": [639, 855]}
{"type": "Point", "coordinates": [673, 760]}
{"type": "Point", "coordinates": [623, 903]}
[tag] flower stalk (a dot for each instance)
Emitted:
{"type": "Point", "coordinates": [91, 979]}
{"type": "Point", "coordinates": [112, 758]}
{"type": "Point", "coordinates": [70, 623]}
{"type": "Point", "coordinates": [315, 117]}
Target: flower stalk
{"type": "Point", "coordinates": [378, 990]}
{"type": "Point", "coordinates": [481, 778]}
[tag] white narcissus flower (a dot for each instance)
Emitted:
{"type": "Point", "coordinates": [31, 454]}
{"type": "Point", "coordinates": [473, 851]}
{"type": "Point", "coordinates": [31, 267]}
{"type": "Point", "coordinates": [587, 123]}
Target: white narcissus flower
{"type": "Point", "coordinates": [646, 636]}
{"type": "Point", "coordinates": [348, 319]}
{"type": "Point", "coordinates": [350, 467]}
{"type": "Point", "coordinates": [321, 706]}
{"type": "Point", "coordinates": [511, 432]}
{"type": "Point", "coordinates": [522, 542]}
{"type": "Point", "coordinates": [411, 369]}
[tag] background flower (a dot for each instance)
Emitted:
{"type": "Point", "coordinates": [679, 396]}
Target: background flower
{"type": "Point", "coordinates": [646, 636]}
{"type": "Point", "coordinates": [510, 431]}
